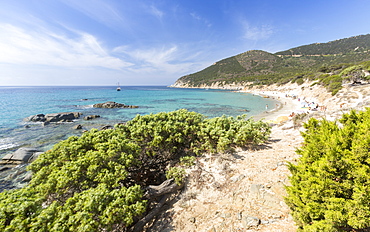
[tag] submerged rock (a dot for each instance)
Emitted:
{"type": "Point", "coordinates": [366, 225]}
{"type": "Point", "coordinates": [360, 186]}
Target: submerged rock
{"type": "Point", "coordinates": [62, 117]}
{"type": "Point", "coordinates": [111, 105]}
{"type": "Point", "coordinates": [22, 155]}
{"type": "Point", "coordinates": [78, 127]}
{"type": "Point", "coordinates": [55, 117]}
{"type": "Point", "coordinates": [89, 117]}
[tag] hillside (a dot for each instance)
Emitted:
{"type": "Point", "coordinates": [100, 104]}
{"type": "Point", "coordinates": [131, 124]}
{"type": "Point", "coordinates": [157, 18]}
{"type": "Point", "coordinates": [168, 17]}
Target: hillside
{"type": "Point", "coordinates": [262, 68]}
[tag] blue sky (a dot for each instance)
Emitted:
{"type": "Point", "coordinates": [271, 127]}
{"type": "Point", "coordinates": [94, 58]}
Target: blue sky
{"type": "Point", "coordinates": [154, 42]}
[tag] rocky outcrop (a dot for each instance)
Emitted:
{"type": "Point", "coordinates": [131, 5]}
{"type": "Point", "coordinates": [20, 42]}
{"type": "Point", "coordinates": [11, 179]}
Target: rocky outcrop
{"type": "Point", "coordinates": [55, 117]}
{"type": "Point", "coordinates": [111, 105]}
{"type": "Point", "coordinates": [90, 117]}
{"type": "Point", "coordinates": [21, 156]}
{"type": "Point", "coordinates": [36, 118]}
{"type": "Point", "coordinates": [107, 127]}
{"type": "Point", "coordinates": [77, 127]}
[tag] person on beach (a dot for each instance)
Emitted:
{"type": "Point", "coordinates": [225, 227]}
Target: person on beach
{"type": "Point", "coordinates": [267, 106]}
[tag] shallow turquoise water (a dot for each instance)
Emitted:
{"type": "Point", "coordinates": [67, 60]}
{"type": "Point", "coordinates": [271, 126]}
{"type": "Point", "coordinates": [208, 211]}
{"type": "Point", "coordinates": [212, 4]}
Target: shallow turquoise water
{"type": "Point", "coordinates": [17, 103]}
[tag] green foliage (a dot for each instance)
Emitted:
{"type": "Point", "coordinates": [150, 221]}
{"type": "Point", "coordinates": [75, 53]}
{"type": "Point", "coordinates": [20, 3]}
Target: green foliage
{"type": "Point", "coordinates": [177, 173]}
{"type": "Point", "coordinates": [187, 161]}
{"type": "Point", "coordinates": [351, 70]}
{"type": "Point", "coordinates": [333, 83]}
{"type": "Point", "coordinates": [172, 133]}
{"type": "Point", "coordinates": [356, 44]}
{"type": "Point", "coordinates": [95, 182]}
{"type": "Point", "coordinates": [330, 185]}
{"type": "Point", "coordinates": [366, 65]}
{"type": "Point", "coordinates": [223, 133]}
{"type": "Point", "coordinates": [294, 65]}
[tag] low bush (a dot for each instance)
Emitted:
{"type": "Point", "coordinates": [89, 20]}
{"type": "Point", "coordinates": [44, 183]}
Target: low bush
{"type": "Point", "coordinates": [330, 184]}
{"type": "Point", "coordinates": [98, 181]}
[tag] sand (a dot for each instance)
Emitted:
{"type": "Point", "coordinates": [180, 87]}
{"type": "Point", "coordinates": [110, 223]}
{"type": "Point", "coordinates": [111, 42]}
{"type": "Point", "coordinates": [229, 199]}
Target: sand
{"type": "Point", "coordinates": [229, 192]}
{"type": "Point", "coordinates": [286, 107]}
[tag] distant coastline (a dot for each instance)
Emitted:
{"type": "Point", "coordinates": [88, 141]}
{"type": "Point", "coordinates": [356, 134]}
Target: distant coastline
{"type": "Point", "coordinates": [348, 98]}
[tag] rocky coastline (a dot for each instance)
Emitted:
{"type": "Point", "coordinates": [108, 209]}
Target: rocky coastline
{"type": "Point", "coordinates": [13, 165]}
{"type": "Point", "coordinates": [54, 117]}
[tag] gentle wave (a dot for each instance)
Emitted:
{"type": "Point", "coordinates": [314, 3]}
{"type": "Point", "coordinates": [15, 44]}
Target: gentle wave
{"type": "Point", "coordinates": [7, 143]}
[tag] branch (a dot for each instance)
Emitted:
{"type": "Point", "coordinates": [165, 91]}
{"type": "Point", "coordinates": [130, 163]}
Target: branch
{"type": "Point", "coordinates": [165, 190]}
{"type": "Point", "coordinates": [167, 186]}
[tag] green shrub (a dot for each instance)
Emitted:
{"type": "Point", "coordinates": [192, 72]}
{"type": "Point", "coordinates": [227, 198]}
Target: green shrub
{"type": "Point", "coordinates": [330, 184]}
{"type": "Point", "coordinates": [299, 81]}
{"type": "Point", "coordinates": [96, 182]}
{"type": "Point", "coordinates": [187, 161]}
{"type": "Point", "coordinates": [177, 173]}
{"type": "Point", "coordinates": [223, 133]}
{"type": "Point", "coordinates": [333, 83]}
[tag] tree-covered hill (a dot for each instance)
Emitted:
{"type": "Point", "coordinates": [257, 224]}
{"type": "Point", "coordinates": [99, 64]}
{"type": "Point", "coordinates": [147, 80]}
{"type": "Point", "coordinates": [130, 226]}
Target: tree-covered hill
{"type": "Point", "coordinates": [260, 67]}
{"type": "Point", "coordinates": [356, 44]}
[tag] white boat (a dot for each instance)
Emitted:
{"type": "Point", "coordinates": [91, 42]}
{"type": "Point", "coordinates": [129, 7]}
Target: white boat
{"type": "Point", "coordinates": [118, 88]}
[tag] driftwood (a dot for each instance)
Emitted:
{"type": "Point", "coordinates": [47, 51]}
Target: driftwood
{"type": "Point", "coordinates": [165, 190]}
{"type": "Point", "coordinates": [167, 186]}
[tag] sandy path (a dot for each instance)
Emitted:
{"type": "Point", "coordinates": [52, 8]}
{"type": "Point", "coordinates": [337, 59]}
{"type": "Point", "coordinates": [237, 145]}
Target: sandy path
{"type": "Point", "coordinates": [226, 192]}
{"type": "Point", "coordinates": [245, 191]}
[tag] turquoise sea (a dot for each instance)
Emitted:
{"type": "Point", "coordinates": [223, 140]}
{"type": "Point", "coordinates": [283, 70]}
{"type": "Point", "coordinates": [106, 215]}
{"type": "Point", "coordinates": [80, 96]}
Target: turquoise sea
{"type": "Point", "coordinates": [17, 103]}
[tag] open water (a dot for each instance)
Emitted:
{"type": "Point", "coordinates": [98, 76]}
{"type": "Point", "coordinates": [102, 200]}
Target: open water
{"type": "Point", "coordinates": [17, 103]}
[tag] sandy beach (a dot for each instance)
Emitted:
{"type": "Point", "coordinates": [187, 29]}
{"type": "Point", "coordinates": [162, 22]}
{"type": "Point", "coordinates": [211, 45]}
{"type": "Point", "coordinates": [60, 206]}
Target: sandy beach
{"type": "Point", "coordinates": [286, 106]}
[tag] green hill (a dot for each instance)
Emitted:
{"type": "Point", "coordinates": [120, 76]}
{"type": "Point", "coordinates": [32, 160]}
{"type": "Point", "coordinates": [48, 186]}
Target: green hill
{"type": "Point", "coordinates": [353, 45]}
{"type": "Point", "coordinates": [308, 61]}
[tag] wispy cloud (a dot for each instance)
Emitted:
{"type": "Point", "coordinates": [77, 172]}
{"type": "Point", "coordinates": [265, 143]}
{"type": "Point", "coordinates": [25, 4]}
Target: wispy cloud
{"type": "Point", "coordinates": [256, 32]}
{"type": "Point", "coordinates": [42, 47]}
{"type": "Point", "coordinates": [201, 19]}
{"type": "Point", "coordinates": [156, 12]}
{"type": "Point", "coordinates": [169, 59]}
{"type": "Point", "coordinates": [101, 11]}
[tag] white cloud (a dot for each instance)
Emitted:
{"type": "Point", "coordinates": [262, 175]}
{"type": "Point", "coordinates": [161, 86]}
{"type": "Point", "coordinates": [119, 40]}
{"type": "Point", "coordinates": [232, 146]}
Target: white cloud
{"type": "Point", "coordinates": [156, 12]}
{"type": "Point", "coordinates": [171, 60]}
{"type": "Point", "coordinates": [42, 47]}
{"type": "Point", "coordinates": [256, 33]}
{"type": "Point", "coordinates": [201, 19]}
{"type": "Point", "coordinates": [101, 11]}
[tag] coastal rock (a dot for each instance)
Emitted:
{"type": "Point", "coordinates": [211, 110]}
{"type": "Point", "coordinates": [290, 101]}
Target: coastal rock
{"type": "Point", "coordinates": [55, 117]}
{"type": "Point", "coordinates": [111, 105]}
{"type": "Point", "coordinates": [90, 117]}
{"type": "Point", "coordinates": [27, 177]}
{"type": "Point", "coordinates": [34, 156]}
{"type": "Point", "coordinates": [62, 117]}
{"type": "Point", "coordinates": [36, 118]}
{"type": "Point", "coordinates": [78, 127]}
{"type": "Point", "coordinates": [106, 127]}
{"type": "Point", "coordinates": [22, 155]}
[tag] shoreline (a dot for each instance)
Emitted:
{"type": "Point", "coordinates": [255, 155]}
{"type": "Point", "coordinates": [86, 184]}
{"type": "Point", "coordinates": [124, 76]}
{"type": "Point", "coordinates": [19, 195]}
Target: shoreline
{"type": "Point", "coordinates": [286, 107]}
